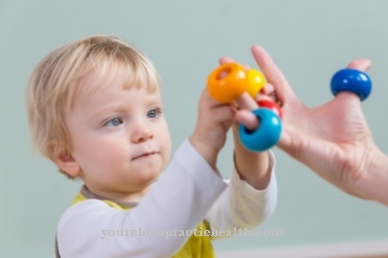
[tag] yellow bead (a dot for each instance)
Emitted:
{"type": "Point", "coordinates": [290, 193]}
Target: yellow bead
{"type": "Point", "coordinates": [256, 82]}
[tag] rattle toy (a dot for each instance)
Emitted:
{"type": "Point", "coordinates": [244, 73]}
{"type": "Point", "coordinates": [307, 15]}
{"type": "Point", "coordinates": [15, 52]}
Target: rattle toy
{"type": "Point", "coordinates": [227, 83]}
{"type": "Point", "coordinates": [351, 80]}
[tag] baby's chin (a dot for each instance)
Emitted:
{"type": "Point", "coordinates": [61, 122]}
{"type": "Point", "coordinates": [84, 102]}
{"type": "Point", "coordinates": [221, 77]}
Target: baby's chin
{"type": "Point", "coordinates": [147, 176]}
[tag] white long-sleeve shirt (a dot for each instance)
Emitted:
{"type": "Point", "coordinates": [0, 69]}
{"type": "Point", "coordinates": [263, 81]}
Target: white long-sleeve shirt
{"type": "Point", "coordinates": [186, 193]}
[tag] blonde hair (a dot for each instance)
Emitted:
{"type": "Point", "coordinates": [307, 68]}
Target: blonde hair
{"type": "Point", "coordinates": [53, 82]}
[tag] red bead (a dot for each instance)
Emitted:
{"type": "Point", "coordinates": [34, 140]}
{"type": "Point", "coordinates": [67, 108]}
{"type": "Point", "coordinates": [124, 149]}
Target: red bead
{"type": "Point", "coordinates": [272, 106]}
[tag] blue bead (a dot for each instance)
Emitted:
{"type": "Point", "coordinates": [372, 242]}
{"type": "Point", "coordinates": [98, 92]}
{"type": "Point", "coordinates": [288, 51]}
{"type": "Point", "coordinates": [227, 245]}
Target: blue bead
{"type": "Point", "coordinates": [351, 80]}
{"type": "Point", "coordinates": [266, 135]}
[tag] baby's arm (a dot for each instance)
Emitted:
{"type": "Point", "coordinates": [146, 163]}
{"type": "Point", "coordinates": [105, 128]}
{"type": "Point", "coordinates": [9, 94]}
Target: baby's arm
{"type": "Point", "coordinates": [177, 202]}
{"type": "Point", "coordinates": [242, 206]}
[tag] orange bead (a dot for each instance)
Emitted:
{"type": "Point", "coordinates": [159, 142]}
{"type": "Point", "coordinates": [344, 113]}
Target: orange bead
{"type": "Point", "coordinates": [227, 82]}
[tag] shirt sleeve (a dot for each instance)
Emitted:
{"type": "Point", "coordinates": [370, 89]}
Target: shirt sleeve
{"type": "Point", "coordinates": [241, 206]}
{"type": "Point", "coordinates": [177, 201]}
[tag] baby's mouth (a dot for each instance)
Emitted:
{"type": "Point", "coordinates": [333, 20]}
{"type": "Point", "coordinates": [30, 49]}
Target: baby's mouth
{"type": "Point", "coordinates": [146, 154]}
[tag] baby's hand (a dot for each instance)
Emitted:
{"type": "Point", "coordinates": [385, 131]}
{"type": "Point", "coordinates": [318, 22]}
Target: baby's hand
{"type": "Point", "coordinates": [246, 104]}
{"type": "Point", "coordinates": [213, 123]}
{"type": "Point", "coordinates": [253, 167]}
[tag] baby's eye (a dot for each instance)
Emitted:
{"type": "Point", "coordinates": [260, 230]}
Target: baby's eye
{"type": "Point", "coordinates": [114, 122]}
{"type": "Point", "coordinates": [154, 112]}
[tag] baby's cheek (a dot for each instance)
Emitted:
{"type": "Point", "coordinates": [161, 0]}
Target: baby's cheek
{"type": "Point", "coordinates": [167, 149]}
{"type": "Point", "coordinates": [107, 157]}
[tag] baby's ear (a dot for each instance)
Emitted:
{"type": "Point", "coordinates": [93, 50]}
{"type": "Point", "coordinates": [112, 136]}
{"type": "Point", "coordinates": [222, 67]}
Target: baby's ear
{"type": "Point", "coordinates": [66, 163]}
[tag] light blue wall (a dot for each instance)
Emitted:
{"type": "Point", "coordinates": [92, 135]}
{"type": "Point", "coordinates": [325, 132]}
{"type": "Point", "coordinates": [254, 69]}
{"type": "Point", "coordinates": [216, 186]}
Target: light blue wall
{"type": "Point", "coordinates": [309, 40]}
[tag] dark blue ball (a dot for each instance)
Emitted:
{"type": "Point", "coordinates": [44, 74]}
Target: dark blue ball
{"type": "Point", "coordinates": [351, 80]}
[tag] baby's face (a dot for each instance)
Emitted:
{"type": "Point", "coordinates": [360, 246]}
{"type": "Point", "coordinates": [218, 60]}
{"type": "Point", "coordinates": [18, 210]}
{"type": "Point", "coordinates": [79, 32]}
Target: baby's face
{"type": "Point", "coordinates": [120, 138]}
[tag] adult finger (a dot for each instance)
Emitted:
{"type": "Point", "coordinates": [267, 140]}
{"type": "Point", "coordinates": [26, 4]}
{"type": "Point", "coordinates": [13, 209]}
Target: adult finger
{"type": "Point", "coordinates": [272, 73]}
{"type": "Point", "coordinates": [360, 64]}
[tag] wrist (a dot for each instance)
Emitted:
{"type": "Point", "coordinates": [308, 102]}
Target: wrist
{"type": "Point", "coordinates": [252, 167]}
{"type": "Point", "coordinates": [207, 152]}
{"type": "Point", "coordinates": [374, 179]}
{"type": "Point", "coordinates": [255, 170]}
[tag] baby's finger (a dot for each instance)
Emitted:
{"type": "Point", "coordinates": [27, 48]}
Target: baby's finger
{"type": "Point", "coordinates": [248, 119]}
{"type": "Point", "coordinates": [245, 101]}
{"type": "Point", "coordinates": [267, 93]}
{"type": "Point", "coordinates": [226, 60]}
{"type": "Point", "coordinates": [261, 97]}
{"type": "Point", "coordinates": [268, 89]}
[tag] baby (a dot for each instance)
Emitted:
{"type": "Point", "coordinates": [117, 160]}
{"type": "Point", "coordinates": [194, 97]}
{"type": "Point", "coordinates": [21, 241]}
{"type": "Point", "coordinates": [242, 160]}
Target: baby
{"type": "Point", "coordinates": [95, 110]}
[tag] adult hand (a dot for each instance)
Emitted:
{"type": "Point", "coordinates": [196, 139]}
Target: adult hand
{"type": "Point", "coordinates": [332, 139]}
